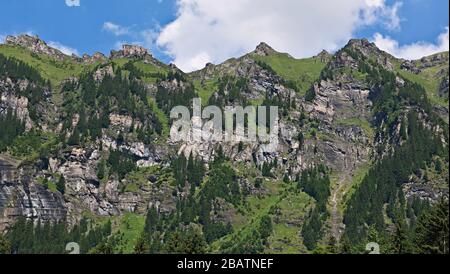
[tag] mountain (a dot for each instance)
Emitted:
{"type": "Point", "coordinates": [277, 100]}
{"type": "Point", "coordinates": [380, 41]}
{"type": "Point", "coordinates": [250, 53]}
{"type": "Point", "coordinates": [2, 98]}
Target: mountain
{"type": "Point", "coordinates": [362, 153]}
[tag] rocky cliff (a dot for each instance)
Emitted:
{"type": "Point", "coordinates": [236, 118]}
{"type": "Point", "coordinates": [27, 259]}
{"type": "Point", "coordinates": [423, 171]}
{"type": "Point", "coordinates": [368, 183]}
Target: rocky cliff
{"type": "Point", "coordinates": [327, 117]}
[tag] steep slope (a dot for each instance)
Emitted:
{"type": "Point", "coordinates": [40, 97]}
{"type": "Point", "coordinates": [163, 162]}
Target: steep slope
{"type": "Point", "coordinates": [88, 138]}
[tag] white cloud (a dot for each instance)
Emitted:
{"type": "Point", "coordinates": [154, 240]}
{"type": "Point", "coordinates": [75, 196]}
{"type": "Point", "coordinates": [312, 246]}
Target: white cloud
{"type": "Point", "coordinates": [64, 49]}
{"type": "Point", "coordinates": [73, 3]}
{"type": "Point", "coordinates": [415, 50]}
{"type": "Point", "coordinates": [2, 39]}
{"type": "Point", "coordinates": [115, 29]}
{"type": "Point", "coordinates": [378, 11]}
{"type": "Point", "coordinates": [148, 37]}
{"type": "Point", "coordinates": [145, 38]}
{"type": "Point", "coordinates": [213, 31]}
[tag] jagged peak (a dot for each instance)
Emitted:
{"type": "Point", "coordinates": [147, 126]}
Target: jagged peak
{"type": "Point", "coordinates": [130, 51]}
{"type": "Point", "coordinates": [36, 45]}
{"type": "Point", "coordinates": [359, 42]}
{"type": "Point", "coordinates": [97, 56]}
{"type": "Point", "coordinates": [23, 40]}
{"type": "Point", "coordinates": [264, 49]}
{"type": "Point", "coordinates": [324, 56]}
{"type": "Point", "coordinates": [136, 52]}
{"type": "Point", "coordinates": [367, 48]}
{"type": "Point", "coordinates": [363, 45]}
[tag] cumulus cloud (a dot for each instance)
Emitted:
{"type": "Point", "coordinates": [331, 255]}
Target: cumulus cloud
{"type": "Point", "coordinates": [415, 50]}
{"type": "Point", "coordinates": [115, 29]}
{"type": "Point", "coordinates": [128, 35]}
{"type": "Point", "coordinates": [376, 11]}
{"type": "Point", "coordinates": [212, 31]}
{"type": "Point", "coordinates": [73, 3]}
{"type": "Point", "coordinates": [2, 39]}
{"type": "Point", "coordinates": [64, 49]}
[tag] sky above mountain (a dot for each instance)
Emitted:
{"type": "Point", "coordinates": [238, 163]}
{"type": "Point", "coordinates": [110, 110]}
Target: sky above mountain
{"type": "Point", "coordinates": [191, 33]}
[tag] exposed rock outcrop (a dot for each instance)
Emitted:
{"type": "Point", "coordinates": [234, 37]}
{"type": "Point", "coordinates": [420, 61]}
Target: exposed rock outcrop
{"type": "Point", "coordinates": [36, 45]}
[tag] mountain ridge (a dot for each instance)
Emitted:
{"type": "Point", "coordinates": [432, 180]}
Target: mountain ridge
{"type": "Point", "coordinates": [37, 45]}
{"type": "Point", "coordinates": [360, 140]}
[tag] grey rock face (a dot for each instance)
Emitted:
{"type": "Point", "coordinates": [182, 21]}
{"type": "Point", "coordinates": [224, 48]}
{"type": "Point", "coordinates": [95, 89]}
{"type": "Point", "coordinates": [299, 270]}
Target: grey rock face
{"type": "Point", "coordinates": [370, 50]}
{"type": "Point", "coordinates": [444, 86]}
{"type": "Point", "coordinates": [336, 130]}
{"type": "Point", "coordinates": [130, 51]}
{"type": "Point", "coordinates": [21, 195]}
{"type": "Point", "coordinates": [36, 45]}
{"type": "Point", "coordinates": [264, 50]}
{"type": "Point", "coordinates": [97, 57]}
{"type": "Point", "coordinates": [409, 66]}
{"type": "Point", "coordinates": [10, 100]}
{"type": "Point", "coordinates": [324, 56]}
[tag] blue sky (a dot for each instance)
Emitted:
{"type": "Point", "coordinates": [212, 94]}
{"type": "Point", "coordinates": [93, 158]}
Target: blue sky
{"type": "Point", "coordinates": [193, 32]}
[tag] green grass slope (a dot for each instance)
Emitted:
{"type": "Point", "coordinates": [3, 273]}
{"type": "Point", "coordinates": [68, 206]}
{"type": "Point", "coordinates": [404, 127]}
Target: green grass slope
{"type": "Point", "coordinates": [303, 72]}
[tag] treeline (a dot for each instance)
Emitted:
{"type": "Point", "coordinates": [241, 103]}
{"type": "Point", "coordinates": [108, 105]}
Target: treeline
{"type": "Point", "coordinates": [16, 69]}
{"type": "Point", "coordinates": [230, 92]}
{"type": "Point", "coordinates": [191, 227]}
{"type": "Point", "coordinates": [429, 234]}
{"type": "Point", "coordinates": [316, 183]}
{"type": "Point", "coordinates": [11, 127]}
{"type": "Point", "coordinates": [136, 73]}
{"type": "Point", "coordinates": [168, 98]}
{"type": "Point", "coordinates": [379, 199]}
{"type": "Point", "coordinates": [94, 101]}
{"type": "Point", "coordinates": [221, 184]}
{"type": "Point", "coordinates": [250, 241]}
{"type": "Point", "coordinates": [120, 163]}
{"type": "Point", "coordinates": [29, 237]}
{"type": "Point", "coordinates": [382, 185]}
{"type": "Point", "coordinates": [37, 87]}
{"type": "Point", "coordinates": [163, 235]}
{"type": "Point", "coordinates": [284, 104]}
{"type": "Point", "coordinates": [189, 170]}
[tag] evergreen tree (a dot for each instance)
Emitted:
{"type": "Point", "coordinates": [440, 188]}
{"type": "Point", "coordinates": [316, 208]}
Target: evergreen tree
{"type": "Point", "coordinates": [61, 185]}
{"type": "Point", "coordinates": [190, 241]}
{"type": "Point", "coordinates": [400, 239]}
{"type": "Point", "coordinates": [5, 246]}
{"type": "Point", "coordinates": [432, 230]}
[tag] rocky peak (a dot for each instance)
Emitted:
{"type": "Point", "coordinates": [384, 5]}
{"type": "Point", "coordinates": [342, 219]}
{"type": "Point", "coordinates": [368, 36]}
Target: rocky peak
{"type": "Point", "coordinates": [35, 44]}
{"type": "Point", "coordinates": [324, 56]}
{"type": "Point", "coordinates": [435, 60]}
{"type": "Point", "coordinates": [96, 57]}
{"type": "Point", "coordinates": [264, 50]}
{"type": "Point", "coordinates": [368, 50]}
{"type": "Point", "coordinates": [130, 51]}
{"type": "Point", "coordinates": [364, 46]}
{"type": "Point", "coordinates": [360, 43]}
{"type": "Point", "coordinates": [136, 52]}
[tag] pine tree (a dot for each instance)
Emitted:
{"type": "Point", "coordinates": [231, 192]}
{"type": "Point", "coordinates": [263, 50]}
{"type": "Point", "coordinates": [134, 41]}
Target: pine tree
{"type": "Point", "coordinates": [190, 241]}
{"type": "Point", "coordinates": [142, 246]}
{"type": "Point", "coordinates": [432, 230]}
{"type": "Point", "coordinates": [5, 245]}
{"type": "Point", "coordinates": [400, 239]}
{"type": "Point", "coordinates": [332, 247]}
{"type": "Point", "coordinates": [345, 246]}
{"type": "Point", "coordinates": [61, 185]}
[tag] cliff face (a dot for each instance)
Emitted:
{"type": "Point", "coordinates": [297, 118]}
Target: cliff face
{"type": "Point", "coordinates": [20, 195]}
{"type": "Point", "coordinates": [326, 117]}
